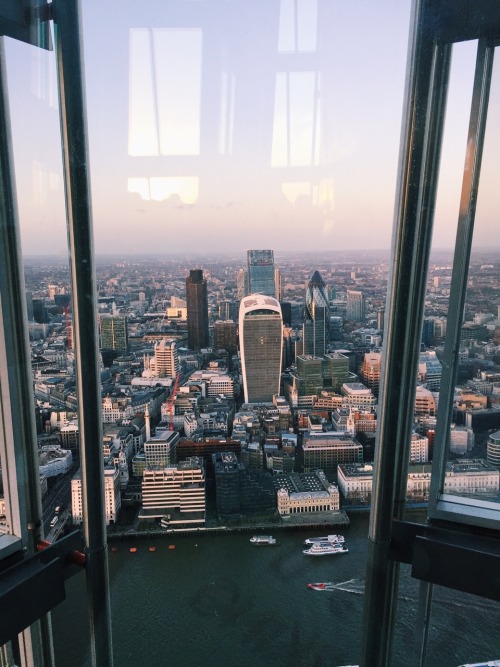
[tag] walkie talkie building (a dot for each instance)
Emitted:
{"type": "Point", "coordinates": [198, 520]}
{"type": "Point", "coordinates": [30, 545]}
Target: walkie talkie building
{"type": "Point", "coordinates": [261, 341]}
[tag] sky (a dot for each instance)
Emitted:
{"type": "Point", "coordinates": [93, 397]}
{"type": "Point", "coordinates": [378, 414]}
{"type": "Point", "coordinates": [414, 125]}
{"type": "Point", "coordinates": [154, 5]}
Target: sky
{"type": "Point", "coordinates": [227, 124]}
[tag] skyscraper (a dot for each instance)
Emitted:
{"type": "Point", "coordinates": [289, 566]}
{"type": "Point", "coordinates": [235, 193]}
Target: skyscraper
{"type": "Point", "coordinates": [241, 283]}
{"type": "Point", "coordinates": [355, 309]}
{"type": "Point", "coordinates": [316, 317]}
{"type": "Point", "coordinates": [197, 310]}
{"type": "Point", "coordinates": [261, 340]}
{"type": "Point", "coordinates": [114, 333]}
{"type": "Point", "coordinates": [261, 272]}
{"type": "Point", "coordinates": [166, 361]}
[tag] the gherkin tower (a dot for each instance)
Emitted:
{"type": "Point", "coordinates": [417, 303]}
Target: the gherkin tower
{"type": "Point", "coordinates": [316, 317]}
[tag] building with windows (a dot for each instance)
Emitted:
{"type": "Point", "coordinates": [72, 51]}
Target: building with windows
{"type": "Point", "coordinates": [429, 370]}
{"type": "Point", "coordinates": [419, 448]}
{"type": "Point", "coordinates": [468, 477]}
{"type": "Point", "coordinates": [355, 307]}
{"type": "Point", "coordinates": [260, 274]}
{"type": "Point", "coordinates": [114, 333]}
{"type": "Point", "coordinates": [225, 336]}
{"type": "Point", "coordinates": [327, 450]}
{"type": "Point", "coordinates": [356, 395]}
{"type": "Point", "coordinates": [294, 136]}
{"type": "Point", "coordinates": [261, 341]}
{"type": "Point", "coordinates": [228, 310]}
{"type": "Point", "coordinates": [160, 450]}
{"type": "Point", "coordinates": [241, 284]}
{"type": "Point", "coordinates": [370, 371]}
{"type": "Point", "coordinates": [462, 439]}
{"type": "Point", "coordinates": [315, 330]}
{"type": "Point", "coordinates": [197, 310]}
{"type": "Point", "coordinates": [493, 449]}
{"type": "Point", "coordinates": [165, 362]}
{"type": "Point", "coordinates": [175, 494]}
{"type": "Point", "coordinates": [425, 402]}
{"type": "Point", "coordinates": [112, 493]}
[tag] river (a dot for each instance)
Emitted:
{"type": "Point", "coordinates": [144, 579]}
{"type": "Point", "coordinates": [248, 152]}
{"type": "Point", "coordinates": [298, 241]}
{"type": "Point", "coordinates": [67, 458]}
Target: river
{"type": "Point", "coordinates": [220, 601]}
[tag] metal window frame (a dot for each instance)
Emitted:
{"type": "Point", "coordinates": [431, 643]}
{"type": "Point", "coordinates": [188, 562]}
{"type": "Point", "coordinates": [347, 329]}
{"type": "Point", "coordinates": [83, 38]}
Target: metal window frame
{"type": "Point", "coordinates": [446, 505]}
{"type": "Point", "coordinates": [435, 26]}
{"type": "Point", "coordinates": [28, 20]}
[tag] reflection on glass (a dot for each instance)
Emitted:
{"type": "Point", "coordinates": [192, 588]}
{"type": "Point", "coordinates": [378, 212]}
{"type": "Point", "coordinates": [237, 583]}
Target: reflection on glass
{"type": "Point", "coordinates": [296, 136]}
{"type": "Point", "coordinates": [226, 113]}
{"type": "Point", "coordinates": [184, 190]}
{"type": "Point", "coordinates": [298, 26]}
{"type": "Point", "coordinates": [164, 98]}
{"type": "Point", "coordinates": [472, 469]}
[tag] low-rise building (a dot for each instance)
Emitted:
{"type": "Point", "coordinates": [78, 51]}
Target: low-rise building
{"type": "Point", "coordinates": [469, 477]}
{"type": "Point", "coordinates": [323, 497]}
{"type": "Point", "coordinates": [326, 450]}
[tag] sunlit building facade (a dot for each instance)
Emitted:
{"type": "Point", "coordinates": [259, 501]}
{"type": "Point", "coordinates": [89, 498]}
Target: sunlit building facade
{"type": "Point", "coordinates": [261, 341]}
{"type": "Point", "coordinates": [355, 308]}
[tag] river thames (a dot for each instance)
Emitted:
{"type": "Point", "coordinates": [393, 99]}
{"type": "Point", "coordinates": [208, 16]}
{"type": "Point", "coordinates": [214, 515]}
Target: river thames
{"type": "Point", "coordinates": [217, 600]}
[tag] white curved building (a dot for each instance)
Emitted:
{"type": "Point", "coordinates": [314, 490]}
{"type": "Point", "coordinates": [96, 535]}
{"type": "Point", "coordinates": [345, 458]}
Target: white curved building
{"type": "Point", "coordinates": [54, 461]}
{"type": "Point", "coordinates": [261, 342]}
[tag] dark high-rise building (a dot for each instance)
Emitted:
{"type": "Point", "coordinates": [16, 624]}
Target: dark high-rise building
{"type": "Point", "coordinates": [316, 317]}
{"type": "Point", "coordinates": [197, 310]}
{"type": "Point", "coordinates": [261, 272]}
{"type": "Point", "coordinates": [225, 336]}
{"type": "Point", "coordinates": [286, 312]}
{"type": "Point", "coordinates": [228, 310]}
{"type": "Point", "coordinates": [114, 333]}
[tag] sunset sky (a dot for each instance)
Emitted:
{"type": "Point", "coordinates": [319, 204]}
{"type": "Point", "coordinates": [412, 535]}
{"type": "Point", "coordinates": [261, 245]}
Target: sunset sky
{"type": "Point", "coordinates": [228, 124]}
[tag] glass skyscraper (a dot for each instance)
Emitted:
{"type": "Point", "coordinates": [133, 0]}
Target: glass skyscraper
{"type": "Point", "coordinates": [316, 317]}
{"type": "Point", "coordinates": [261, 341]}
{"type": "Point", "coordinates": [261, 272]}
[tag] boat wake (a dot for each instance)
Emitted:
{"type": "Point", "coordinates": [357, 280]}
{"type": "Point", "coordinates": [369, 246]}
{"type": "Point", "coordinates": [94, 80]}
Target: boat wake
{"type": "Point", "coordinates": [356, 586]}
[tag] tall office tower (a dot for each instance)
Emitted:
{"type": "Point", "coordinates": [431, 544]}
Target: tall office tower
{"type": "Point", "coordinates": [355, 309]}
{"type": "Point", "coordinates": [286, 313]}
{"type": "Point", "coordinates": [225, 336]}
{"type": "Point", "coordinates": [380, 318]}
{"type": "Point", "coordinates": [261, 341]}
{"type": "Point", "coordinates": [29, 305]}
{"type": "Point", "coordinates": [197, 310]}
{"type": "Point", "coordinates": [114, 333]}
{"type": "Point", "coordinates": [261, 272]}
{"type": "Point", "coordinates": [317, 317]}
{"type": "Point", "coordinates": [278, 284]}
{"type": "Point", "coordinates": [228, 310]}
{"type": "Point", "coordinates": [165, 362]}
{"type": "Point", "coordinates": [241, 284]}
